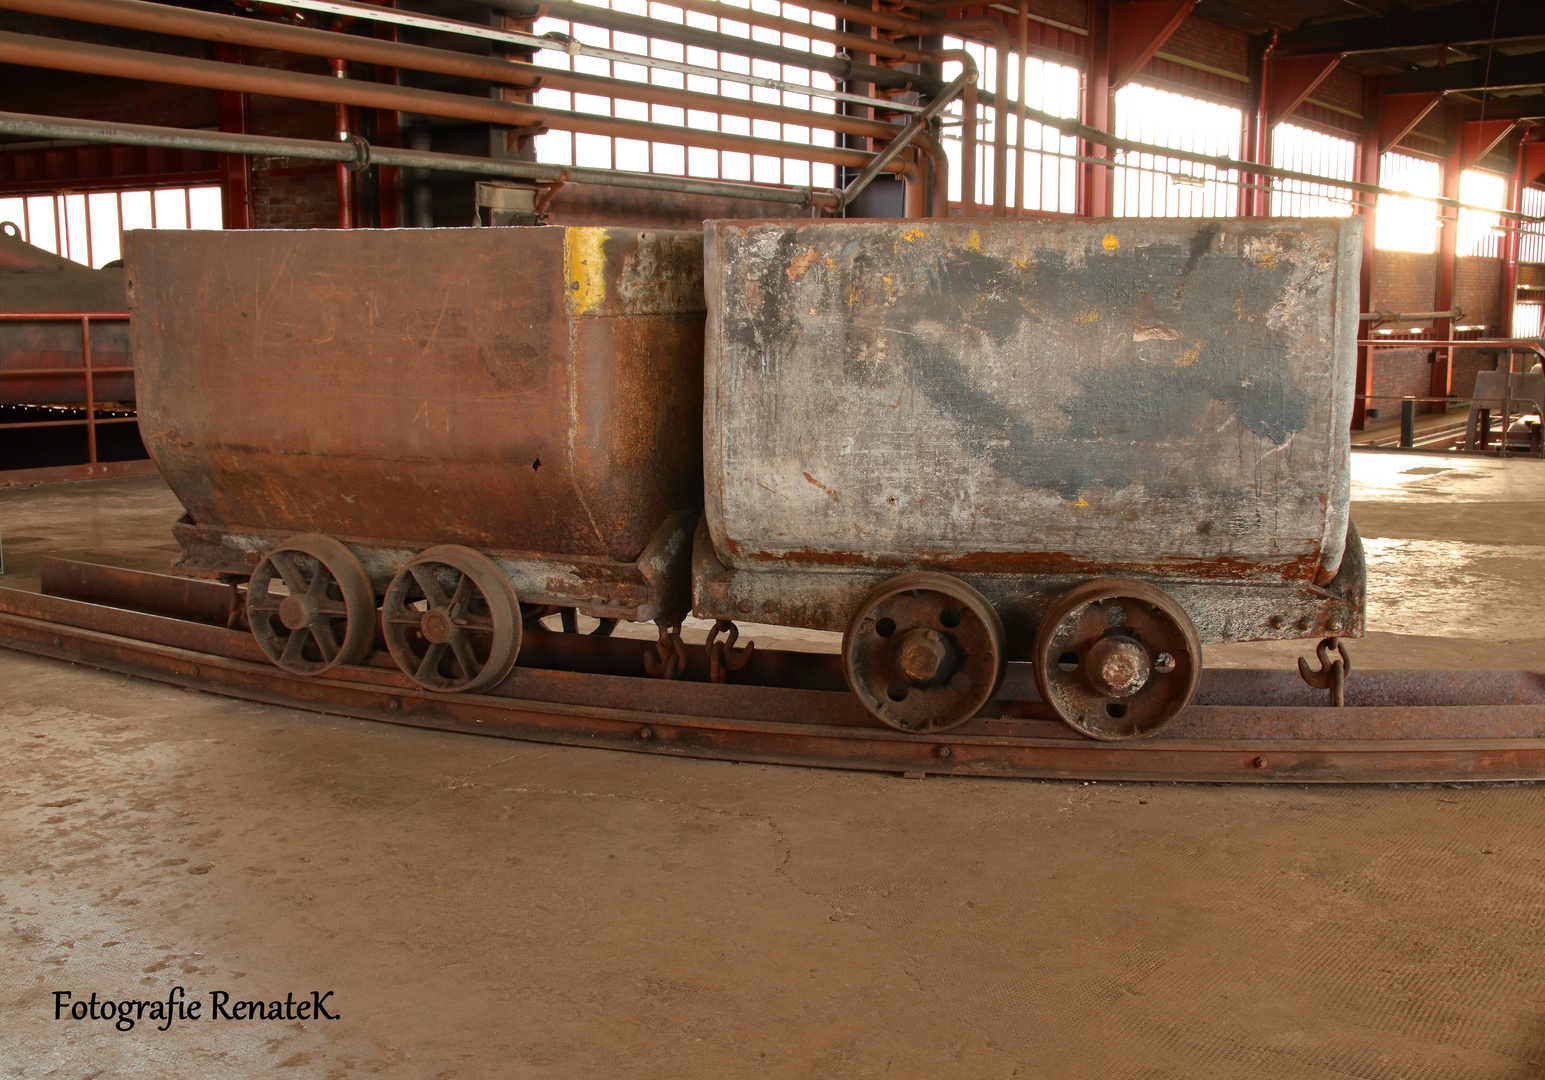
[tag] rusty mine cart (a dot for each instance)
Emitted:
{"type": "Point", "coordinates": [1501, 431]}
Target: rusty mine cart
{"type": "Point", "coordinates": [1092, 445]}
{"type": "Point", "coordinates": [1089, 445]}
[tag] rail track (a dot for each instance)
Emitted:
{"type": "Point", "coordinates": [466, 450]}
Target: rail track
{"type": "Point", "coordinates": [794, 708]}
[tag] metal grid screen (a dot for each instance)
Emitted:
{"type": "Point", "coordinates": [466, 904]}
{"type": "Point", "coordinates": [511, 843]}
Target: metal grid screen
{"type": "Point", "coordinates": [609, 152]}
{"type": "Point", "coordinates": [1148, 185]}
{"type": "Point", "coordinates": [1041, 172]}
{"type": "Point", "coordinates": [1304, 150]}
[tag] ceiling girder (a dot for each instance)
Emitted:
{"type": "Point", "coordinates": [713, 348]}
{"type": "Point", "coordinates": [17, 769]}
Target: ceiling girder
{"type": "Point", "coordinates": [1467, 23]}
{"type": "Point", "coordinates": [1498, 73]}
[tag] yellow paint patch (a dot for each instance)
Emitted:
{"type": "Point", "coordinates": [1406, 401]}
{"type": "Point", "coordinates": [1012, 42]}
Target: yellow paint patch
{"type": "Point", "coordinates": [1079, 503]}
{"type": "Point", "coordinates": [584, 266]}
{"type": "Point", "coordinates": [912, 234]}
{"type": "Point", "coordinates": [1087, 317]}
{"type": "Point", "coordinates": [1190, 356]}
{"type": "Point", "coordinates": [1018, 264]}
{"type": "Point", "coordinates": [802, 262]}
{"type": "Point", "coordinates": [1110, 243]}
{"type": "Point", "coordinates": [1267, 261]}
{"type": "Point", "coordinates": [973, 241]}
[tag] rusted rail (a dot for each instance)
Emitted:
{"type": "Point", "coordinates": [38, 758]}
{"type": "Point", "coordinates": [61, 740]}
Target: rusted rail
{"type": "Point", "coordinates": [1245, 725]}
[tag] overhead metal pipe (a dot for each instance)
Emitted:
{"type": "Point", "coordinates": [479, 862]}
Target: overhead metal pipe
{"type": "Point", "coordinates": [916, 127]}
{"type": "Point", "coordinates": [230, 30]}
{"type": "Point", "coordinates": [160, 67]}
{"type": "Point", "coordinates": [358, 153]}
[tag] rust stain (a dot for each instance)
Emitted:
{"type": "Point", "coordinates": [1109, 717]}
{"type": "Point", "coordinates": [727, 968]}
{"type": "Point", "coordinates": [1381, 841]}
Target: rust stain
{"type": "Point", "coordinates": [802, 262]}
{"type": "Point", "coordinates": [1189, 356]}
{"type": "Point", "coordinates": [832, 494]}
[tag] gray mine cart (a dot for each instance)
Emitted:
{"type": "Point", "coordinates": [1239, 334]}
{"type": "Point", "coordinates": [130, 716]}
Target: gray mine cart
{"type": "Point", "coordinates": [1090, 445]}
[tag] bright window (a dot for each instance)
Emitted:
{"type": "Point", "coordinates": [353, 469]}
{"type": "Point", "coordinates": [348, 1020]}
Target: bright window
{"type": "Point", "coordinates": [1531, 237]}
{"type": "Point", "coordinates": [1479, 232]}
{"type": "Point", "coordinates": [1304, 150]}
{"type": "Point", "coordinates": [1408, 222]}
{"type": "Point", "coordinates": [1157, 186]}
{"type": "Point", "coordinates": [88, 228]}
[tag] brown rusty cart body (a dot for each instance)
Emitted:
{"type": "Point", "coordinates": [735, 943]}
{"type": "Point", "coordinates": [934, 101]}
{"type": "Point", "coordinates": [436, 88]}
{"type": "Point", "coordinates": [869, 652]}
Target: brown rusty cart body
{"type": "Point", "coordinates": [1093, 445]}
{"type": "Point", "coordinates": [530, 397]}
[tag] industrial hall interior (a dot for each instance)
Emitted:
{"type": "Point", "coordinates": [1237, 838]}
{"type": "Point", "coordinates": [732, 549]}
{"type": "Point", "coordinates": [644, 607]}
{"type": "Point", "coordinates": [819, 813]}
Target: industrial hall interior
{"type": "Point", "coordinates": [772, 540]}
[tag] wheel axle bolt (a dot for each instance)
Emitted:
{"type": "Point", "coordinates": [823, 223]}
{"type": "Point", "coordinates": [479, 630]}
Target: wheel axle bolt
{"type": "Point", "coordinates": [294, 612]}
{"type": "Point", "coordinates": [435, 626]}
{"type": "Point", "coordinates": [923, 655]}
{"type": "Point", "coordinates": [944, 752]}
{"type": "Point", "coordinates": [1117, 666]}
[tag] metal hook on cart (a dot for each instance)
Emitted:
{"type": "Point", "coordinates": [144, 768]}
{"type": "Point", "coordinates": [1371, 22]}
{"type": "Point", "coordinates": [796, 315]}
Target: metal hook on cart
{"type": "Point", "coordinates": [671, 660]}
{"type": "Point", "coordinates": [1332, 674]}
{"type": "Point", "coordinates": [723, 657]}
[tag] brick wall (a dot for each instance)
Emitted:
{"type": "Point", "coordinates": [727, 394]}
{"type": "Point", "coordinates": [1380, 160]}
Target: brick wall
{"type": "Point", "coordinates": [1406, 281]}
{"type": "Point", "coordinates": [1402, 281]}
{"type": "Point", "coordinates": [1478, 293]}
{"type": "Point", "coordinates": [291, 193]}
{"type": "Point", "coordinates": [1212, 44]}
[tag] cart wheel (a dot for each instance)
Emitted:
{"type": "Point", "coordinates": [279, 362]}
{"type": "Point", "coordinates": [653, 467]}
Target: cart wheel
{"type": "Point", "coordinates": [1117, 659]}
{"type": "Point", "coordinates": [924, 652]}
{"type": "Point", "coordinates": [310, 605]}
{"type": "Point", "coordinates": [451, 621]}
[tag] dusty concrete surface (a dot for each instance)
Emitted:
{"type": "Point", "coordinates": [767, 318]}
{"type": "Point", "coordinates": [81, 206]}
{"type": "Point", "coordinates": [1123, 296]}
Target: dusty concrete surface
{"type": "Point", "coordinates": [486, 908]}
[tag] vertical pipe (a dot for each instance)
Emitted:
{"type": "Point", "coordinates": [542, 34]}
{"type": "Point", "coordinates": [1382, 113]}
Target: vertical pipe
{"type": "Point", "coordinates": [1019, 133]}
{"type": "Point", "coordinates": [1442, 381]}
{"type": "Point", "coordinates": [91, 404]}
{"type": "Point", "coordinates": [1367, 172]}
{"type": "Point", "coordinates": [1000, 134]}
{"type": "Point", "coordinates": [1407, 423]}
{"type": "Point", "coordinates": [345, 178]}
{"type": "Point", "coordinates": [968, 151]}
{"type": "Point", "coordinates": [1508, 288]}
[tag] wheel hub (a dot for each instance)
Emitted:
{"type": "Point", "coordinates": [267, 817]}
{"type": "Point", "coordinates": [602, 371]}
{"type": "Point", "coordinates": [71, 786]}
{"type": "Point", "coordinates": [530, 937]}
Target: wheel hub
{"type": "Point", "coordinates": [296, 611]}
{"type": "Point", "coordinates": [436, 626]}
{"type": "Point", "coordinates": [1117, 666]}
{"type": "Point", "coordinates": [924, 655]}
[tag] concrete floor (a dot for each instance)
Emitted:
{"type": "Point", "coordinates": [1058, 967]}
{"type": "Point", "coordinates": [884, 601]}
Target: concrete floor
{"type": "Point", "coordinates": [484, 908]}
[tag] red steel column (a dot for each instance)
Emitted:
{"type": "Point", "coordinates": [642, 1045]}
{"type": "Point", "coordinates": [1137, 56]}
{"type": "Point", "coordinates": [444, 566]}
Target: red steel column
{"type": "Point", "coordinates": [1096, 190]}
{"type": "Point", "coordinates": [235, 169]}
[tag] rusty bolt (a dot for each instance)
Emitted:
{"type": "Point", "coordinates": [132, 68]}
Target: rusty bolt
{"type": "Point", "coordinates": [1333, 626]}
{"type": "Point", "coordinates": [1259, 763]}
{"type": "Point", "coordinates": [923, 654]}
{"type": "Point", "coordinates": [1276, 622]}
{"type": "Point", "coordinates": [944, 751]}
{"type": "Point", "coordinates": [1305, 622]}
{"type": "Point", "coordinates": [193, 671]}
{"type": "Point", "coordinates": [745, 607]}
{"type": "Point", "coordinates": [646, 733]}
{"type": "Point", "coordinates": [393, 704]}
{"type": "Point", "coordinates": [58, 641]}
{"type": "Point", "coordinates": [1117, 666]}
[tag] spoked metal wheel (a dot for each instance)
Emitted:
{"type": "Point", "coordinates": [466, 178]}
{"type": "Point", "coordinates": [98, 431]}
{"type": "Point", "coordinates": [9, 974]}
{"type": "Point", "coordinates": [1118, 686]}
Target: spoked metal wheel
{"type": "Point", "coordinates": [924, 652]}
{"type": "Point", "coordinates": [1116, 658]}
{"type": "Point", "coordinates": [310, 605]}
{"type": "Point", "coordinates": [452, 621]}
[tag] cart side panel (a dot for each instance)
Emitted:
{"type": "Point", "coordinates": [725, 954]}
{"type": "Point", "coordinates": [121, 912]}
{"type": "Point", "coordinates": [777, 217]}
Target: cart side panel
{"type": "Point", "coordinates": [1159, 397]}
{"type": "Point", "coordinates": [411, 386]}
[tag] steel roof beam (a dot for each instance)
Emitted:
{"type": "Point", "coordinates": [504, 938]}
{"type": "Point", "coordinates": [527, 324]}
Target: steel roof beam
{"type": "Point", "coordinates": [1467, 23]}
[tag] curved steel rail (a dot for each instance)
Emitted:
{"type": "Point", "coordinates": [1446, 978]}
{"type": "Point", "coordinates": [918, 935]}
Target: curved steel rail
{"type": "Point", "coordinates": [792, 708]}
